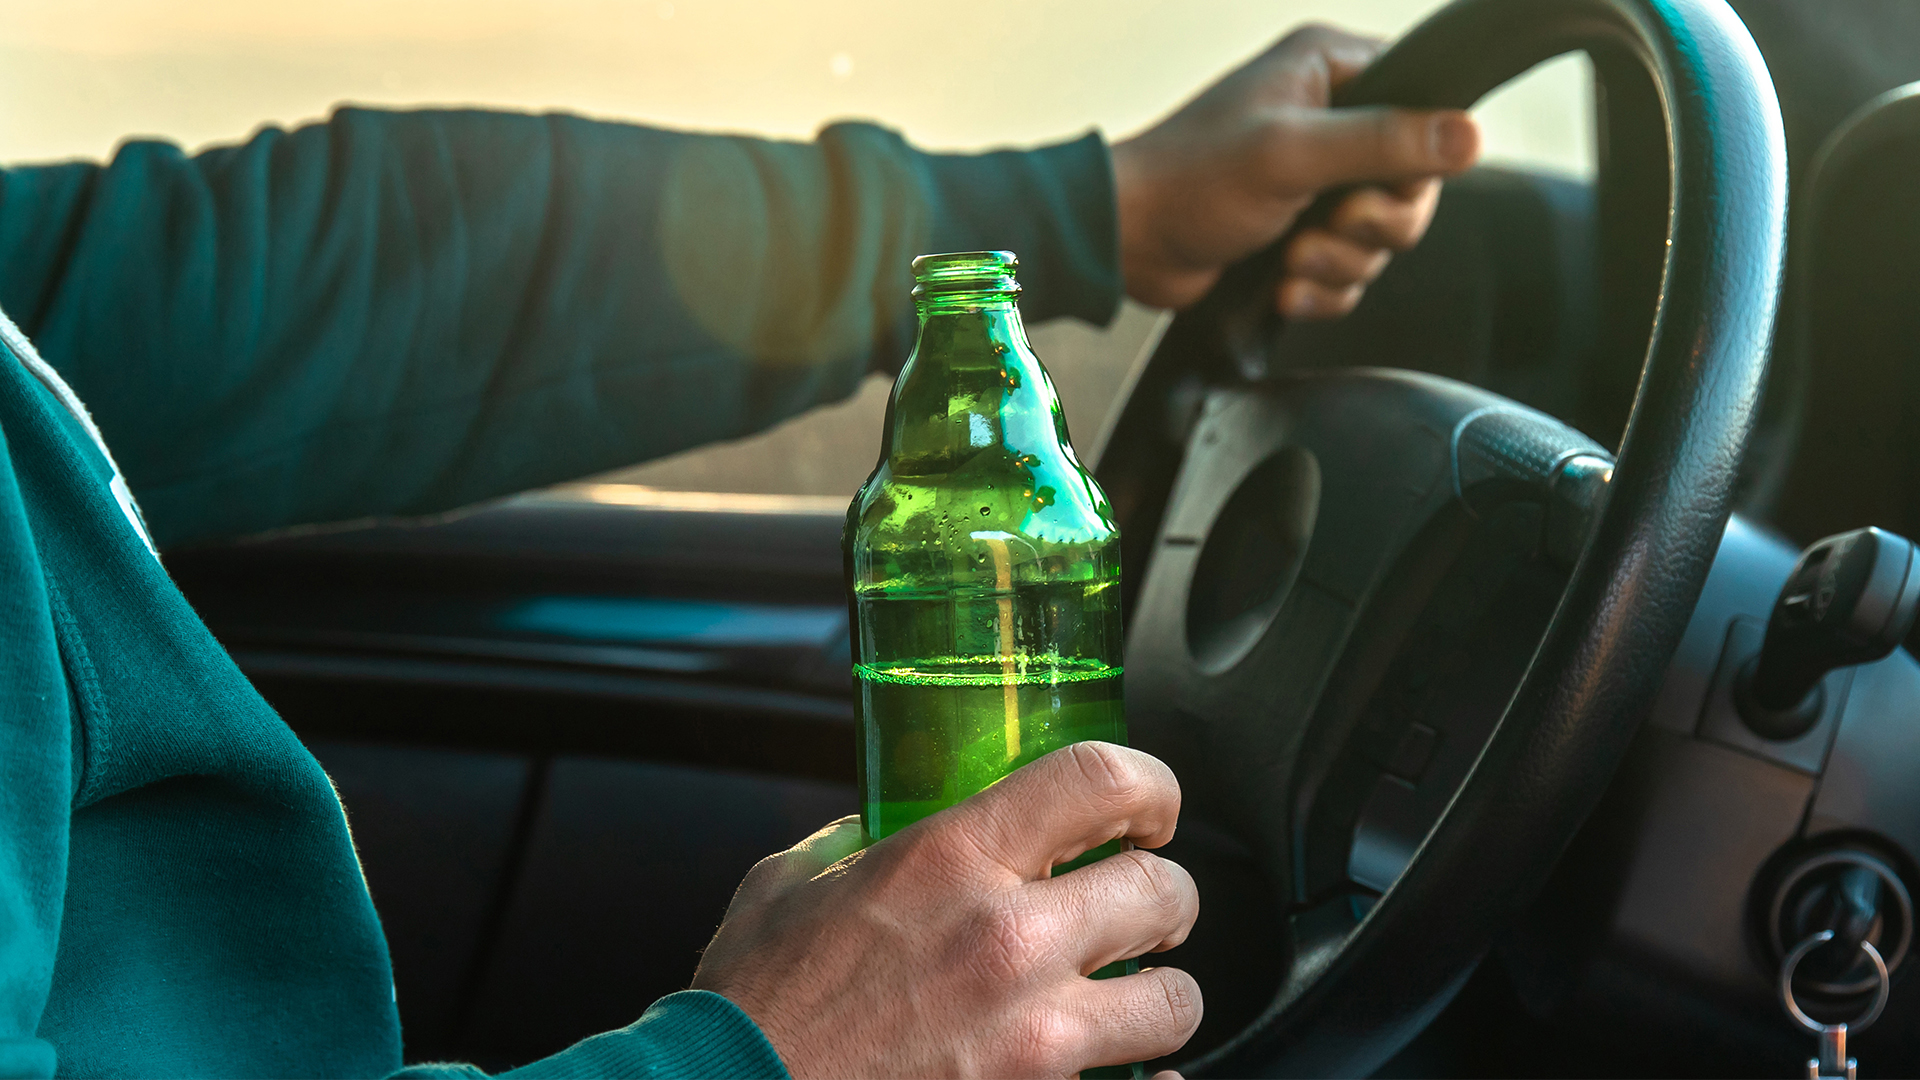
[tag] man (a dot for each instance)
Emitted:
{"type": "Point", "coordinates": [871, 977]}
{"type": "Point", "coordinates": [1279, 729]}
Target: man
{"type": "Point", "coordinates": [406, 312]}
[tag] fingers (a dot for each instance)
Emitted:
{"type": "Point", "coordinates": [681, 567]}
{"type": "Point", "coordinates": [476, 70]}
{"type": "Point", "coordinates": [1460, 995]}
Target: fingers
{"type": "Point", "coordinates": [1386, 218]}
{"type": "Point", "coordinates": [1328, 267]}
{"type": "Point", "coordinates": [1342, 53]}
{"type": "Point", "coordinates": [1123, 906]}
{"type": "Point", "coordinates": [1138, 1017]}
{"type": "Point", "coordinates": [1333, 260]}
{"type": "Point", "coordinates": [1321, 148]}
{"type": "Point", "coordinates": [1299, 298]}
{"type": "Point", "coordinates": [1064, 804]}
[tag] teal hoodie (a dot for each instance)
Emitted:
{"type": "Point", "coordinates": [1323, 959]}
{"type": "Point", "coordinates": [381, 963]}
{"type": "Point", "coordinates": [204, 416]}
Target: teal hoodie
{"type": "Point", "coordinates": [389, 313]}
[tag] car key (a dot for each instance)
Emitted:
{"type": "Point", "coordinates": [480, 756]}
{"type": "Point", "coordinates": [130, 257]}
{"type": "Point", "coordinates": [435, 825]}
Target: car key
{"type": "Point", "coordinates": [1832, 1062]}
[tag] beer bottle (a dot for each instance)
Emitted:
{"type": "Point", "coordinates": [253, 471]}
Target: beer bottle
{"type": "Point", "coordinates": [984, 567]}
{"type": "Point", "coordinates": [983, 560]}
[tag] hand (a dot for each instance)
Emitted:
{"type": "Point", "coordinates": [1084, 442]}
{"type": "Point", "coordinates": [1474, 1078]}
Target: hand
{"type": "Point", "coordinates": [947, 949]}
{"type": "Point", "coordinates": [1225, 176]}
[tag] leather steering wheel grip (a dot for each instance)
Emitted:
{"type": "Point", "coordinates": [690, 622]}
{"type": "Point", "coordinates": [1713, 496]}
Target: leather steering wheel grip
{"type": "Point", "coordinates": [1632, 592]}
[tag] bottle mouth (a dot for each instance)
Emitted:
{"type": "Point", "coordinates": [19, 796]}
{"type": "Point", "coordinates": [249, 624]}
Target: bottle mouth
{"type": "Point", "coordinates": [957, 273]}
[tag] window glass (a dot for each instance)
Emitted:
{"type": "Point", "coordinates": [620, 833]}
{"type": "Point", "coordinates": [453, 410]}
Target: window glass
{"type": "Point", "coordinates": [79, 75]}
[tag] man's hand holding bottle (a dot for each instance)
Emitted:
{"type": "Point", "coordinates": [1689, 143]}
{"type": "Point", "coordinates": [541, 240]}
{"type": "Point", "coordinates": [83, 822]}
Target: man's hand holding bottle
{"type": "Point", "coordinates": [948, 949]}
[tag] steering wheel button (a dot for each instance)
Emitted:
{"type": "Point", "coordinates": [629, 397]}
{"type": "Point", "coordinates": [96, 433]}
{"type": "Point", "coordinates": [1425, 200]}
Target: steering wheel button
{"type": "Point", "coordinates": [1389, 831]}
{"type": "Point", "coordinates": [1413, 752]}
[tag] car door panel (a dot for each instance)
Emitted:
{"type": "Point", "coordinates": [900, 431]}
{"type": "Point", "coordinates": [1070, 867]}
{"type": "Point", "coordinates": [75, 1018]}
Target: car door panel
{"type": "Point", "coordinates": [628, 870]}
{"type": "Point", "coordinates": [435, 831]}
{"type": "Point", "coordinates": [563, 726]}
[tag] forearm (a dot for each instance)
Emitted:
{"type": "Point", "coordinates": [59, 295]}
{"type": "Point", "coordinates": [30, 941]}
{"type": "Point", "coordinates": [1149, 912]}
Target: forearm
{"type": "Point", "coordinates": [405, 312]}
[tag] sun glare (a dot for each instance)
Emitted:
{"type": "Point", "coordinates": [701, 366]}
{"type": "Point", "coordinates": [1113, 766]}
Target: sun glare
{"type": "Point", "coordinates": [78, 76]}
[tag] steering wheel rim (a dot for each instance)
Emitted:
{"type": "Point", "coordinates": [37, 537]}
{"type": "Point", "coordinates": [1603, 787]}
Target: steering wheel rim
{"type": "Point", "coordinates": [1633, 588]}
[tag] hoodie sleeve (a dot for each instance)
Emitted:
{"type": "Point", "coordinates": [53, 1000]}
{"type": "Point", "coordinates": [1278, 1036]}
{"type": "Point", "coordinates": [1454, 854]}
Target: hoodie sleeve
{"type": "Point", "coordinates": [405, 312]}
{"type": "Point", "coordinates": [692, 1035]}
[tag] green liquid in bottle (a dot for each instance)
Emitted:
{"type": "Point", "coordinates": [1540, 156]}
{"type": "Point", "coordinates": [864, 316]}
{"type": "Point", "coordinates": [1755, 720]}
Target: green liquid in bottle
{"type": "Point", "coordinates": [984, 567]}
{"type": "Point", "coordinates": [943, 734]}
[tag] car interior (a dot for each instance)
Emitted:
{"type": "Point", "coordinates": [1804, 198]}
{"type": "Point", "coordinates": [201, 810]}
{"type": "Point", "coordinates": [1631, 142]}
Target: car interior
{"type": "Point", "coordinates": [1505, 752]}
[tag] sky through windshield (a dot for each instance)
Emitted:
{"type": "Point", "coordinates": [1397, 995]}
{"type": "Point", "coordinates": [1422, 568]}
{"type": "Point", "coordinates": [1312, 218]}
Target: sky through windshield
{"type": "Point", "coordinates": [78, 75]}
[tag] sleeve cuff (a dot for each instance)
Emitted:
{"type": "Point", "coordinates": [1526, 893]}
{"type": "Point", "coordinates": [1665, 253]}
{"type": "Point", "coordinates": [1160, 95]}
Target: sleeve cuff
{"type": "Point", "coordinates": [1053, 206]}
{"type": "Point", "coordinates": [26, 1057]}
{"type": "Point", "coordinates": [694, 1033]}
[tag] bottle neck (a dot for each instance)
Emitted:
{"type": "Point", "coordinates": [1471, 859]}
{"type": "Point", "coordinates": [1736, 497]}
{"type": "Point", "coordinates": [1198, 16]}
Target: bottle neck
{"type": "Point", "coordinates": [958, 331]}
{"type": "Point", "coordinates": [972, 382]}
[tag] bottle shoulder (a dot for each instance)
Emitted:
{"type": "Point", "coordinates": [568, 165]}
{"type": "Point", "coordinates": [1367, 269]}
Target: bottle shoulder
{"type": "Point", "coordinates": [995, 491]}
{"type": "Point", "coordinates": [983, 528]}
{"type": "Point", "coordinates": [979, 481]}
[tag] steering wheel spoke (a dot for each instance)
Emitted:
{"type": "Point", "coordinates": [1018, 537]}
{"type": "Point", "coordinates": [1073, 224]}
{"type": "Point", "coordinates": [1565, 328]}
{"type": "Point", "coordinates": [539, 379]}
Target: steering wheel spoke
{"type": "Point", "coordinates": [1260, 650]}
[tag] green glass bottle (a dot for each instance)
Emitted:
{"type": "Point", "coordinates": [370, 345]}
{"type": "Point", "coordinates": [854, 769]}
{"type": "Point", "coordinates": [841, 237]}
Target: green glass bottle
{"type": "Point", "coordinates": [984, 568]}
{"type": "Point", "coordinates": [983, 561]}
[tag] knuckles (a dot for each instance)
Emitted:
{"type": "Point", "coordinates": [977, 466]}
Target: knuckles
{"type": "Point", "coordinates": [1126, 782]}
{"type": "Point", "coordinates": [1170, 890]}
{"type": "Point", "coordinates": [1011, 940]}
{"type": "Point", "coordinates": [1319, 35]}
{"type": "Point", "coordinates": [1375, 218]}
{"type": "Point", "coordinates": [1321, 256]}
{"type": "Point", "coordinates": [1045, 1039]}
{"type": "Point", "coordinates": [1106, 774]}
{"type": "Point", "coordinates": [950, 854]}
{"type": "Point", "coordinates": [1400, 139]}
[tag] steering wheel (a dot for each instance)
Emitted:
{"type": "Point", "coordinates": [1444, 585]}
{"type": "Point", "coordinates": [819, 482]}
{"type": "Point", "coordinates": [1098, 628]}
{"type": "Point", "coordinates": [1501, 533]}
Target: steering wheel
{"type": "Point", "coordinates": [1395, 633]}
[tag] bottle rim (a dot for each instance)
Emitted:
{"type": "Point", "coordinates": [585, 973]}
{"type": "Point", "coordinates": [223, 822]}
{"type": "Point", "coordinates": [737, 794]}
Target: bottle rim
{"type": "Point", "coordinates": [951, 273]}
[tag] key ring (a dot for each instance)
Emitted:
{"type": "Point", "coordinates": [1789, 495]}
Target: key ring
{"type": "Point", "coordinates": [1800, 952]}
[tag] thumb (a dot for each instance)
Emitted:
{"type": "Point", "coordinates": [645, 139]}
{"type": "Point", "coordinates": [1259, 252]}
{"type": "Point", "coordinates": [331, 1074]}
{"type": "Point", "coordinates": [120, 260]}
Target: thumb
{"type": "Point", "coordinates": [1380, 144]}
{"type": "Point", "coordinates": [828, 845]}
{"type": "Point", "coordinates": [774, 875]}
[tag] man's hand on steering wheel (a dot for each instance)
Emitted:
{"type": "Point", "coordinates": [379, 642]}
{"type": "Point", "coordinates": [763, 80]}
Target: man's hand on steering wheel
{"type": "Point", "coordinates": [1227, 173]}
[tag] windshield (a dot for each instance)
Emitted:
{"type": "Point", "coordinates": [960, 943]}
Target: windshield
{"type": "Point", "coordinates": [79, 76]}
